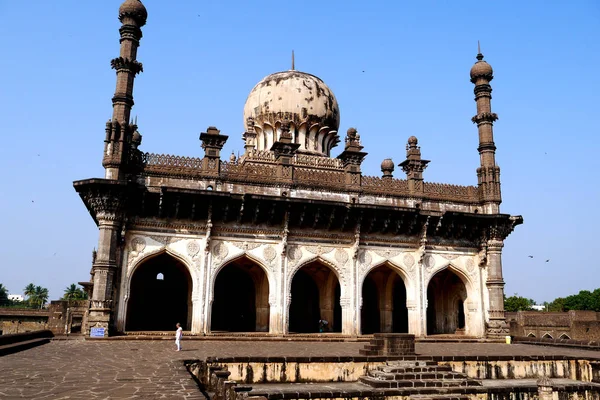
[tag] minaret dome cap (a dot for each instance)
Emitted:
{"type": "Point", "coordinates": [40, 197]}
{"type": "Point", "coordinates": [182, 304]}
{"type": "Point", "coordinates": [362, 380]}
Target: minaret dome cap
{"type": "Point", "coordinates": [134, 9]}
{"type": "Point", "coordinates": [481, 69]}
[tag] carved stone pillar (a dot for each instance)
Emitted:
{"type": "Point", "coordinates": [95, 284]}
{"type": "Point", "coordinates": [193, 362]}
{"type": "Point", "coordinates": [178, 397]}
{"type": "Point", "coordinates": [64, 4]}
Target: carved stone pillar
{"type": "Point", "coordinates": [348, 323]}
{"type": "Point", "coordinates": [104, 270]}
{"type": "Point", "coordinates": [414, 318]}
{"type": "Point", "coordinates": [497, 326]}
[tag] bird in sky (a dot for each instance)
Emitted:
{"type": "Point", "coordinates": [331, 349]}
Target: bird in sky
{"type": "Point", "coordinates": [547, 260]}
{"type": "Point", "coordinates": [530, 256]}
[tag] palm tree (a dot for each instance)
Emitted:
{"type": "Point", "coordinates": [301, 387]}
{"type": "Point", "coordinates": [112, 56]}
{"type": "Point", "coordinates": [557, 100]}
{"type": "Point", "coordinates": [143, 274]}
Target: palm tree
{"type": "Point", "coordinates": [29, 291]}
{"type": "Point", "coordinates": [71, 292]}
{"type": "Point", "coordinates": [39, 297]}
{"type": "Point", "coordinates": [3, 294]}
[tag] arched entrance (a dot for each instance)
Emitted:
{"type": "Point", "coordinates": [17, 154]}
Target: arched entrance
{"type": "Point", "coordinates": [160, 295]}
{"type": "Point", "coordinates": [241, 298]}
{"type": "Point", "coordinates": [384, 302]}
{"type": "Point", "coordinates": [446, 296]}
{"type": "Point", "coordinates": [315, 296]}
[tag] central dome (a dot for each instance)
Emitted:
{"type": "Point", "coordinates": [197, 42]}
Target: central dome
{"type": "Point", "coordinates": [301, 98]}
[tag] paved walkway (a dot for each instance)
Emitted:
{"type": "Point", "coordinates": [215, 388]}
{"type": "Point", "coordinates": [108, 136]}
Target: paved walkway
{"type": "Point", "coordinates": [130, 369]}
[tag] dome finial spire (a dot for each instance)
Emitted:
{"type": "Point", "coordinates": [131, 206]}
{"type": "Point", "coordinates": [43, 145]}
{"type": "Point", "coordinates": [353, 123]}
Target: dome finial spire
{"type": "Point", "coordinates": [293, 66]}
{"type": "Point", "coordinates": [479, 55]}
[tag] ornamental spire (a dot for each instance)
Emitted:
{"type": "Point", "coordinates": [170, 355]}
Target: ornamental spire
{"type": "Point", "coordinates": [293, 66]}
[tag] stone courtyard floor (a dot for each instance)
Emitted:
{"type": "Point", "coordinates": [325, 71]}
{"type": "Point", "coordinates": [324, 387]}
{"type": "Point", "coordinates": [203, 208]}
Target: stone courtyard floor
{"type": "Point", "coordinates": [144, 369]}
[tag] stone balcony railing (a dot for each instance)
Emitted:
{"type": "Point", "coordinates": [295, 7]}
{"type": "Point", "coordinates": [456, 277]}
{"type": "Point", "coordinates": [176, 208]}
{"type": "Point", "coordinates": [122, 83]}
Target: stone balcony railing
{"type": "Point", "coordinates": [308, 171]}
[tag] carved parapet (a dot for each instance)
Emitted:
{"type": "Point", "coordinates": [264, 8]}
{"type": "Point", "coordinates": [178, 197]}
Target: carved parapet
{"type": "Point", "coordinates": [100, 305]}
{"type": "Point", "coordinates": [125, 64]}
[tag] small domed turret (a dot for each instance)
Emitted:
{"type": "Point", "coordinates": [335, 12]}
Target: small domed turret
{"type": "Point", "coordinates": [133, 9]}
{"type": "Point", "coordinates": [387, 167]}
{"type": "Point", "coordinates": [481, 69]}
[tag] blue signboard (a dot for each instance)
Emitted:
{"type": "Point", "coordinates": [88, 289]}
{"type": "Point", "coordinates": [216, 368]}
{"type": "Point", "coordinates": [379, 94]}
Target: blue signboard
{"type": "Point", "coordinates": [97, 332]}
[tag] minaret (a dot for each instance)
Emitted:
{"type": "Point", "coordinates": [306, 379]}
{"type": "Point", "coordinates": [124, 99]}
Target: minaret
{"type": "Point", "coordinates": [488, 173]}
{"type": "Point", "coordinates": [119, 130]}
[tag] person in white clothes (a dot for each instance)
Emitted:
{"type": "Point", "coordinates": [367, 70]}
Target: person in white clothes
{"type": "Point", "coordinates": [178, 336]}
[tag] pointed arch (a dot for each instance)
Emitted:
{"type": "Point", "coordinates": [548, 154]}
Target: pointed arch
{"type": "Point", "coordinates": [243, 254]}
{"type": "Point", "coordinates": [391, 264]}
{"type": "Point", "coordinates": [157, 304]}
{"type": "Point", "coordinates": [448, 291]}
{"type": "Point", "coordinates": [465, 278]}
{"type": "Point", "coordinates": [383, 291]}
{"type": "Point", "coordinates": [239, 295]}
{"type": "Point", "coordinates": [314, 296]}
{"type": "Point", "coordinates": [311, 260]}
{"type": "Point", "coordinates": [547, 336]}
{"type": "Point", "coordinates": [564, 336]}
{"type": "Point", "coordinates": [531, 335]}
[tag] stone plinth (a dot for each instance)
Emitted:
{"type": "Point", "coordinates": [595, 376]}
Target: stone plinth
{"type": "Point", "coordinates": [390, 344]}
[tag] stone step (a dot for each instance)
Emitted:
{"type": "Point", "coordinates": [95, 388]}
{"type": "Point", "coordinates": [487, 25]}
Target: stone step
{"type": "Point", "coordinates": [378, 383]}
{"type": "Point", "coordinates": [413, 370]}
{"type": "Point", "coordinates": [438, 397]}
{"type": "Point", "coordinates": [419, 375]}
{"type": "Point", "coordinates": [410, 363]}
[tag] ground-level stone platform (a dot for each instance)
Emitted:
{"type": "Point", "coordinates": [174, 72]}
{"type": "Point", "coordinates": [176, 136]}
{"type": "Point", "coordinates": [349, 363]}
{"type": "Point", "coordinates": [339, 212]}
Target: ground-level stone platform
{"type": "Point", "coordinates": [359, 390]}
{"type": "Point", "coordinates": [77, 369]}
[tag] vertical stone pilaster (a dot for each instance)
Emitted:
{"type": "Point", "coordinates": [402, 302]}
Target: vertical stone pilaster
{"type": "Point", "coordinates": [497, 326]}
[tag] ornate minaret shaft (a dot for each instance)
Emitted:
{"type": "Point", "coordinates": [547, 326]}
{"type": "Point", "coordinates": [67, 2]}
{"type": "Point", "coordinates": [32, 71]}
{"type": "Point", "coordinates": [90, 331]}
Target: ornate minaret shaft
{"type": "Point", "coordinates": [488, 173]}
{"type": "Point", "coordinates": [119, 130]}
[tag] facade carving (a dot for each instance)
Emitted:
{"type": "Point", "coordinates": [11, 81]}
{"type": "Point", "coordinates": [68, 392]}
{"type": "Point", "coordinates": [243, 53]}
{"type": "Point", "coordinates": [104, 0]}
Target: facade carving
{"type": "Point", "coordinates": [285, 235]}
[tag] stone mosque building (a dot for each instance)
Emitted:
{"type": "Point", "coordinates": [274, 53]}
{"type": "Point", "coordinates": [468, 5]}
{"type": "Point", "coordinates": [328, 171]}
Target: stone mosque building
{"type": "Point", "coordinates": [285, 235]}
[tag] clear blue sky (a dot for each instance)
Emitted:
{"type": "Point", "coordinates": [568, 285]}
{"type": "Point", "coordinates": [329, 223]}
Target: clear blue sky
{"type": "Point", "coordinates": [397, 69]}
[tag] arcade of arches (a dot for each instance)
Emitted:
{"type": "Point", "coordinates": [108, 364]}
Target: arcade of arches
{"type": "Point", "coordinates": [161, 292]}
{"type": "Point", "coordinates": [446, 298]}
{"type": "Point", "coordinates": [384, 302]}
{"type": "Point", "coordinates": [241, 298]}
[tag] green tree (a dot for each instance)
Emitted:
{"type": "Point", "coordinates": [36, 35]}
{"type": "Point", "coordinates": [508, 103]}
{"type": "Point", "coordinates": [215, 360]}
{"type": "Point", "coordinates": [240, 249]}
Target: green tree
{"type": "Point", "coordinates": [72, 292]}
{"type": "Point", "coordinates": [3, 295]}
{"type": "Point", "coordinates": [29, 292]}
{"type": "Point", "coordinates": [517, 303]}
{"type": "Point", "coordinates": [557, 305]}
{"type": "Point", "coordinates": [38, 298]}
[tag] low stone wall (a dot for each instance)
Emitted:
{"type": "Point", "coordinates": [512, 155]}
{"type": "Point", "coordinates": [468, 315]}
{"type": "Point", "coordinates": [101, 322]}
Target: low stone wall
{"type": "Point", "coordinates": [218, 380]}
{"type": "Point", "coordinates": [20, 320]}
{"type": "Point", "coordinates": [579, 344]}
{"type": "Point", "coordinates": [580, 370]}
{"type": "Point", "coordinates": [253, 370]}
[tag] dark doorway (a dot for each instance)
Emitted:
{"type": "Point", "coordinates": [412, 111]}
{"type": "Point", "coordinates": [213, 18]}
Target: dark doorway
{"type": "Point", "coordinates": [316, 295]}
{"type": "Point", "coordinates": [369, 314]}
{"type": "Point", "coordinates": [446, 294]}
{"type": "Point", "coordinates": [400, 316]}
{"type": "Point", "coordinates": [160, 296]}
{"type": "Point", "coordinates": [304, 309]}
{"type": "Point", "coordinates": [384, 302]}
{"type": "Point", "coordinates": [241, 298]}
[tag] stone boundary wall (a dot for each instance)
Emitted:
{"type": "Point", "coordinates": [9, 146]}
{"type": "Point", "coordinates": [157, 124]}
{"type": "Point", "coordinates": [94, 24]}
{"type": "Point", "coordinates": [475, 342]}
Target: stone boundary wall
{"type": "Point", "coordinates": [219, 381]}
{"type": "Point", "coordinates": [579, 344]}
{"type": "Point", "coordinates": [20, 320]}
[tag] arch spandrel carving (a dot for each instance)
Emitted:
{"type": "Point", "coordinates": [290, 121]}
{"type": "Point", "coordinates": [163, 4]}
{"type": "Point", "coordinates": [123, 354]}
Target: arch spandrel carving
{"type": "Point", "coordinates": [341, 274]}
{"type": "Point", "coordinates": [458, 267]}
{"type": "Point", "coordinates": [234, 251]}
